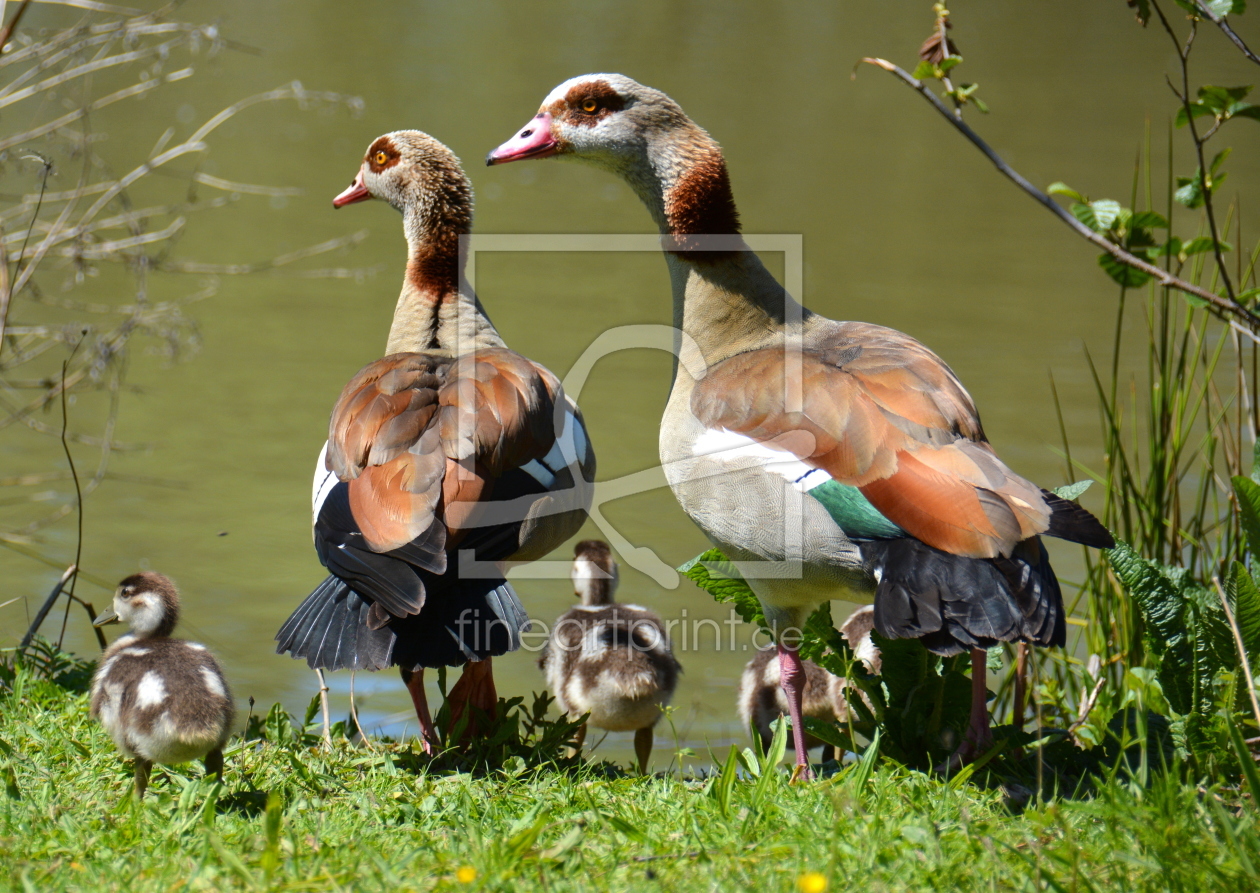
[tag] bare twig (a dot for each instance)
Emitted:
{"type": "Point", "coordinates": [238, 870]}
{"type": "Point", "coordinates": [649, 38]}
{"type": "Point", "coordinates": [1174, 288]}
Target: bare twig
{"type": "Point", "coordinates": [1242, 650]}
{"type": "Point", "coordinates": [1183, 55]}
{"type": "Point", "coordinates": [1219, 21]}
{"type": "Point", "coordinates": [78, 489]}
{"type": "Point", "coordinates": [1221, 306]}
{"type": "Point", "coordinates": [7, 34]}
{"type": "Point", "coordinates": [46, 607]}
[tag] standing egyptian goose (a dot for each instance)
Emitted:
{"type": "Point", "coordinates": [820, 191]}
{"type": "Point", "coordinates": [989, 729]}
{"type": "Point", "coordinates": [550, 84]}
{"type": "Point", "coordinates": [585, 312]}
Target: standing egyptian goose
{"type": "Point", "coordinates": [162, 700]}
{"type": "Point", "coordinates": [610, 660]}
{"type": "Point", "coordinates": [762, 700]}
{"type": "Point", "coordinates": [447, 460]}
{"type": "Point", "coordinates": [847, 449]}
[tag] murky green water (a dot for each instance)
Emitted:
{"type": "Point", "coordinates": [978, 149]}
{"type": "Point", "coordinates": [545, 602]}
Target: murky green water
{"type": "Point", "coordinates": [903, 224]}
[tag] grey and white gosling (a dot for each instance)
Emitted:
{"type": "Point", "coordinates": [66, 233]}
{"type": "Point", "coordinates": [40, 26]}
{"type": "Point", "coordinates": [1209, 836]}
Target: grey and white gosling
{"type": "Point", "coordinates": [610, 660]}
{"type": "Point", "coordinates": [761, 698]}
{"type": "Point", "coordinates": [162, 700]}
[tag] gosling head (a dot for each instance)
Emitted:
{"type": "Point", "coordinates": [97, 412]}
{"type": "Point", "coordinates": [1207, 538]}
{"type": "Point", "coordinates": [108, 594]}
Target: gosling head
{"type": "Point", "coordinates": [594, 573]}
{"type": "Point", "coordinates": [148, 602]}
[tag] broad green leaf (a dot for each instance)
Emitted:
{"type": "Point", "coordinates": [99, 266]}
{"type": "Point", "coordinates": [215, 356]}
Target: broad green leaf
{"type": "Point", "coordinates": [1060, 188]}
{"type": "Point", "coordinates": [947, 64]}
{"type": "Point", "coordinates": [1203, 243]}
{"type": "Point", "coordinates": [1189, 191]}
{"type": "Point", "coordinates": [1197, 109]}
{"type": "Point", "coordinates": [1085, 214]}
{"type": "Point", "coordinates": [1148, 220]}
{"type": "Point", "coordinates": [1172, 248]}
{"type": "Point", "coordinates": [715, 574]}
{"type": "Point", "coordinates": [1246, 598]}
{"type": "Point", "coordinates": [1128, 276]}
{"type": "Point", "coordinates": [924, 70]}
{"type": "Point", "coordinates": [1245, 110]}
{"type": "Point", "coordinates": [980, 104]}
{"type": "Point", "coordinates": [1247, 493]}
{"type": "Point", "coordinates": [865, 767]}
{"type": "Point", "coordinates": [1245, 760]}
{"type": "Point", "coordinates": [1106, 211]}
{"type": "Point", "coordinates": [1073, 491]}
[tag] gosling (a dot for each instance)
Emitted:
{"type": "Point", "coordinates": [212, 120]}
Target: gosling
{"type": "Point", "coordinates": [761, 699]}
{"type": "Point", "coordinates": [162, 700]}
{"type": "Point", "coordinates": [609, 660]}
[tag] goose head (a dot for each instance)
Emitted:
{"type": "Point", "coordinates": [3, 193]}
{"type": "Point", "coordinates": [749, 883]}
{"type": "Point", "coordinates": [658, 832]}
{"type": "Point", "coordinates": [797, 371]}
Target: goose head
{"type": "Point", "coordinates": [148, 602]}
{"type": "Point", "coordinates": [641, 135]}
{"type": "Point", "coordinates": [594, 573]}
{"type": "Point", "coordinates": [416, 175]}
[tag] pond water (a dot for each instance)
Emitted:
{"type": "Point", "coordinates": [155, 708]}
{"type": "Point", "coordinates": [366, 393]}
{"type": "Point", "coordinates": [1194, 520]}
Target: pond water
{"type": "Point", "coordinates": [903, 224]}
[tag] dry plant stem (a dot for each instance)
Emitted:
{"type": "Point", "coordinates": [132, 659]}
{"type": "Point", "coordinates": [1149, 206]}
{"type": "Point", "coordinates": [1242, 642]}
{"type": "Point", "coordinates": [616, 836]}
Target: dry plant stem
{"type": "Point", "coordinates": [78, 490]}
{"type": "Point", "coordinates": [323, 707]}
{"type": "Point", "coordinates": [7, 34]}
{"type": "Point", "coordinates": [1086, 709]}
{"type": "Point", "coordinates": [1021, 686]}
{"type": "Point", "coordinates": [1183, 55]}
{"type": "Point", "coordinates": [46, 607]}
{"type": "Point", "coordinates": [1219, 21]}
{"type": "Point", "coordinates": [1242, 651]}
{"type": "Point", "coordinates": [1220, 306]}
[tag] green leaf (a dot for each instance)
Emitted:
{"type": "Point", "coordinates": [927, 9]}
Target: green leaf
{"type": "Point", "coordinates": [717, 575]}
{"type": "Point", "coordinates": [1073, 491]}
{"type": "Point", "coordinates": [947, 64]}
{"type": "Point", "coordinates": [865, 767]}
{"type": "Point", "coordinates": [1085, 214]}
{"type": "Point", "coordinates": [1189, 191]}
{"type": "Point", "coordinates": [980, 104]}
{"type": "Point", "coordinates": [1247, 492]}
{"type": "Point", "coordinates": [1245, 110]}
{"type": "Point", "coordinates": [1197, 109]}
{"type": "Point", "coordinates": [1245, 759]}
{"type": "Point", "coordinates": [1148, 220]}
{"type": "Point", "coordinates": [1216, 164]}
{"type": "Point", "coordinates": [1106, 212]}
{"type": "Point", "coordinates": [1245, 595]}
{"type": "Point", "coordinates": [1142, 9]}
{"type": "Point", "coordinates": [1060, 188]}
{"type": "Point", "coordinates": [1202, 244]}
{"type": "Point", "coordinates": [1129, 277]}
{"type": "Point", "coordinates": [924, 70]}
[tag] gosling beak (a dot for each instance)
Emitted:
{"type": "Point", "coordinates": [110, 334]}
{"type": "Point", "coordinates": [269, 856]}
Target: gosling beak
{"type": "Point", "coordinates": [534, 141]}
{"type": "Point", "coordinates": [355, 192]}
{"type": "Point", "coordinates": [108, 617]}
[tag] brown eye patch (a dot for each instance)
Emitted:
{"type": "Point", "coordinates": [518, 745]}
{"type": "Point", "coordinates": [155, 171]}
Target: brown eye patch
{"type": "Point", "coordinates": [589, 103]}
{"type": "Point", "coordinates": [381, 155]}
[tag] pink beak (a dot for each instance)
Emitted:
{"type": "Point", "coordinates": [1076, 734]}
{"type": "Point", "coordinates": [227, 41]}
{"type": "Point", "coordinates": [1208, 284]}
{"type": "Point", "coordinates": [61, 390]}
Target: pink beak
{"type": "Point", "coordinates": [355, 192]}
{"type": "Point", "coordinates": [534, 141]}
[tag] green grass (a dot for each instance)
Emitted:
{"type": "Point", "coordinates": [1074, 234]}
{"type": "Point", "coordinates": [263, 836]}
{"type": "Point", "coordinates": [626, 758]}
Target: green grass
{"type": "Point", "coordinates": [293, 816]}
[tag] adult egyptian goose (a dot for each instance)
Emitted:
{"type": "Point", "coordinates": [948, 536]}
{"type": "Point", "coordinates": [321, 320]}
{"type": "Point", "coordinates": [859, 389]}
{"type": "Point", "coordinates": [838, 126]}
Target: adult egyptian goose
{"type": "Point", "coordinates": [162, 700]}
{"type": "Point", "coordinates": [846, 450]}
{"type": "Point", "coordinates": [610, 660]}
{"type": "Point", "coordinates": [762, 700]}
{"type": "Point", "coordinates": [447, 460]}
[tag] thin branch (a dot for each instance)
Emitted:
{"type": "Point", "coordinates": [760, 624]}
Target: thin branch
{"type": "Point", "coordinates": [1183, 54]}
{"type": "Point", "coordinates": [1219, 21]}
{"type": "Point", "coordinates": [6, 299]}
{"type": "Point", "coordinates": [1219, 304]}
{"type": "Point", "coordinates": [7, 34]}
{"type": "Point", "coordinates": [46, 607]}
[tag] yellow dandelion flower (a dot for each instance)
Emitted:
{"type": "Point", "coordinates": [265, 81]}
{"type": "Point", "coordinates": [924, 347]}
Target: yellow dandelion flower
{"type": "Point", "coordinates": [467, 874]}
{"type": "Point", "coordinates": [812, 882]}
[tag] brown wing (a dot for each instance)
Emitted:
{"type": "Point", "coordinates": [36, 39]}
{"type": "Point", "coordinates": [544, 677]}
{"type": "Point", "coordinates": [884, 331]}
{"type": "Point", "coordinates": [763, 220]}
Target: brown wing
{"type": "Point", "coordinates": [881, 412]}
{"type": "Point", "coordinates": [422, 438]}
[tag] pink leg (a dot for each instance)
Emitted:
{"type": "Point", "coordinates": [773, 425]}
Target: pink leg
{"type": "Point", "coordinates": [792, 679]}
{"type": "Point", "coordinates": [415, 688]}
{"type": "Point", "coordinates": [979, 736]}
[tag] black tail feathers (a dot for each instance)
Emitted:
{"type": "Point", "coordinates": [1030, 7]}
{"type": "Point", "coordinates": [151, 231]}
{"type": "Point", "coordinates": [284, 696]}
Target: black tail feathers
{"type": "Point", "coordinates": [472, 620]}
{"type": "Point", "coordinates": [1068, 521]}
{"type": "Point", "coordinates": [953, 604]}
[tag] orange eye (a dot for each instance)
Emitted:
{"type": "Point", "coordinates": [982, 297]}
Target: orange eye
{"type": "Point", "coordinates": [380, 158]}
{"type": "Point", "coordinates": [589, 104]}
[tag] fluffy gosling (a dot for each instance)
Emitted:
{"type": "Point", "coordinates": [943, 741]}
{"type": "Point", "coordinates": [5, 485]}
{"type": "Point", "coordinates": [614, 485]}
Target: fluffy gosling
{"type": "Point", "coordinates": [162, 700]}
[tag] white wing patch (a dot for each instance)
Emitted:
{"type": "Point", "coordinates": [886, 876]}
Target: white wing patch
{"type": "Point", "coordinates": [213, 682]}
{"type": "Point", "coordinates": [325, 480]}
{"type": "Point", "coordinates": [568, 450]}
{"type": "Point", "coordinates": [736, 449]}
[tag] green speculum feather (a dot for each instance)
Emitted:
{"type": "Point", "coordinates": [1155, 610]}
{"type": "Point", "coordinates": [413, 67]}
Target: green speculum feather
{"type": "Point", "coordinates": [854, 512]}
